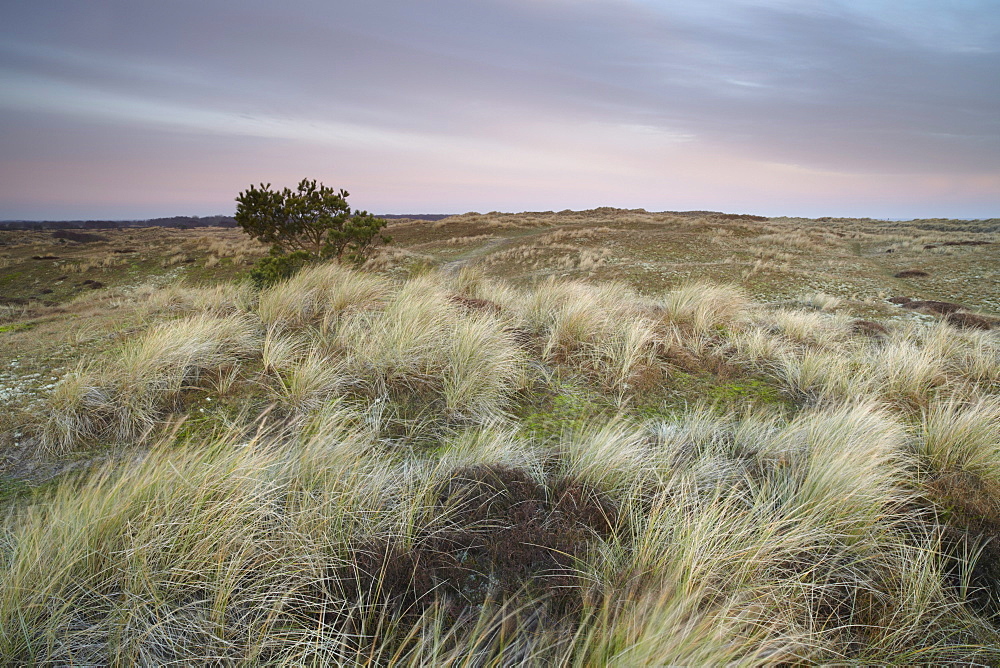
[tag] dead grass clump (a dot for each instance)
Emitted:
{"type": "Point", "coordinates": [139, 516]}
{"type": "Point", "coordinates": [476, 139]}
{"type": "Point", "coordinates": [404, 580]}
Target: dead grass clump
{"type": "Point", "coordinates": [968, 321]}
{"type": "Point", "coordinates": [387, 258]}
{"type": "Point", "coordinates": [907, 372]}
{"type": "Point", "coordinates": [402, 342]}
{"type": "Point", "coordinates": [176, 259]}
{"type": "Point", "coordinates": [820, 301]}
{"type": "Point", "coordinates": [124, 397]}
{"type": "Point", "coordinates": [854, 466]}
{"type": "Point", "coordinates": [551, 256]}
{"type": "Point", "coordinates": [809, 328]}
{"type": "Point", "coordinates": [625, 362]}
{"type": "Point", "coordinates": [472, 304]}
{"type": "Point", "coordinates": [483, 370]}
{"type": "Point", "coordinates": [176, 353]}
{"type": "Point", "coordinates": [506, 535]}
{"type": "Point", "coordinates": [698, 307]}
{"type": "Point", "coordinates": [420, 345]}
{"type": "Point", "coordinates": [771, 256]}
{"type": "Point", "coordinates": [959, 448]}
{"type": "Point", "coordinates": [536, 256]}
{"type": "Point", "coordinates": [870, 329]}
{"type": "Point", "coordinates": [569, 234]}
{"type": "Point", "coordinates": [796, 239]}
{"type": "Point", "coordinates": [113, 260]}
{"type": "Point", "coordinates": [971, 357]}
{"type": "Point", "coordinates": [963, 437]}
{"type": "Point", "coordinates": [156, 563]}
{"type": "Point", "coordinates": [756, 348]}
{"type": "Point", "coordinates": [221, 299]}
{"type": "Point", "coordinates": [931, 306]}
{"type": "Point", "coordinates": [305, 383]}
{"type": "Point", "coordinates": [603, 331]}
{"type": "Point", "coordinates": [592, 259]}
{"type": "Point", "coordinates": [969, 508]}
{"type": "Point", "coordinates": [613, 456]}
{"type": "Point", "coordinates": [81, 267]}
{"type": "Point", "coordinates": [909, 368]}
{"type": "Point", "coordinates": [683, 626]}
{"type": "Point", "coordinates": [319, 294]}
{"type": "Point", "coordinates": [74, 411]}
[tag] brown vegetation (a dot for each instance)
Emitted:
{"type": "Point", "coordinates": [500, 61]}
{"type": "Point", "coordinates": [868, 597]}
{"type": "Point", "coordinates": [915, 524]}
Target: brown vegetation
{"type": "Point", "coordinates": [931, 306]}
{"type": "Point", "coordinates": [969, 321]}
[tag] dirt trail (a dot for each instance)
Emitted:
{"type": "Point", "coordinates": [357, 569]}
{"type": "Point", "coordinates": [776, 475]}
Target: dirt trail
{"type": "Point", "coordinates": [453, 266]}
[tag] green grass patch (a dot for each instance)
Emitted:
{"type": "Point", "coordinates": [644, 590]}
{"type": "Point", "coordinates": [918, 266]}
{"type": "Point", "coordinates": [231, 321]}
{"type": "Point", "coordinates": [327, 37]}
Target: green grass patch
{"type": "Point", "coordinates": [16, 327]}
{"type": "Point", "coordinates": [12, 490]}
{"type": "Point", "coordinates": [682, 390]}
{"type": "Point", "coordinates": [748, 391]}
{"type": "Point", "coordinates": [569, 406]}
{"type": "Point", "coordinates": [16, 492]}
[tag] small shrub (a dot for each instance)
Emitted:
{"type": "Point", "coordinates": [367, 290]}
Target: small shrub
{"type": "Point", "coordinates": [276, 268]}
{"type": "Point", "coordinates": [313, 219]}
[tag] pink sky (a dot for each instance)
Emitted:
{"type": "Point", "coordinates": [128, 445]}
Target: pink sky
{"type": "Point", "coordinates": [133, 109]}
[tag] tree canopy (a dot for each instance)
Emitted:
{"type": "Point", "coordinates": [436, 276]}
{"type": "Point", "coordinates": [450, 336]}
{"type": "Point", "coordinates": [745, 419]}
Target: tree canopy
{"type": "Point", "coordinates": [313, 219]}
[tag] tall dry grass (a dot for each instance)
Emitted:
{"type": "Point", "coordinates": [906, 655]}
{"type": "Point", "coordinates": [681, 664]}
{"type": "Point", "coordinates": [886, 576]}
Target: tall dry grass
{"type": "Point", "coordinates": [123, 400]}
{"type": "Point", "coordinates": [249, 551]}
{"type": "Point", "coordinates": [390, 493]}
{"type": "Point", "coordinates": [702, 306]}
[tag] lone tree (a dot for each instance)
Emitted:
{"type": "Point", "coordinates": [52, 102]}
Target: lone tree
{"type": "Point", "coordinates": [311, 223]}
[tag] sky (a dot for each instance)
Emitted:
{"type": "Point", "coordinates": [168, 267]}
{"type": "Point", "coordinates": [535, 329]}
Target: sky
{"type": "Point", "coordinates": [131, 109]}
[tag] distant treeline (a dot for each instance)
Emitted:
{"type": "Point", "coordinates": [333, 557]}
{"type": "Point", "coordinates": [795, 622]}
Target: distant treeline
{"type": "Point", "coordinates": [416, 216]}
{"type": "Point", "coordinates": [179, 222]}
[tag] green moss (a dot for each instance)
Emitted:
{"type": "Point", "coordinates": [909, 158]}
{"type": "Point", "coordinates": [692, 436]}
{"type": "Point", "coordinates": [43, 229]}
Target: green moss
{"type": "Point", "coordinates": [16, 327]}
{"type": "Point", "coordinates": [751, 391]}
{"type": "Point", "coordinates": [683, 390]}
{"type": "Point", "coordinates": [568, 407]}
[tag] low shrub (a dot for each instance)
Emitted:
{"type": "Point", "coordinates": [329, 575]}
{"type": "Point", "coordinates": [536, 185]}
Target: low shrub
{"type": "Point", "coordinates": [276, 268]}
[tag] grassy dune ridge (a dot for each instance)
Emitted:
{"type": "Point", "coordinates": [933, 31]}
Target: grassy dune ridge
{"type": "Point", "coordinates": [452, 468]}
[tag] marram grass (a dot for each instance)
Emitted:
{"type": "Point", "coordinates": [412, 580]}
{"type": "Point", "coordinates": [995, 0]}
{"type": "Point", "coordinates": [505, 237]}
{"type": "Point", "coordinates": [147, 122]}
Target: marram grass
{"type": "Point", "coordinates": [376, 495]}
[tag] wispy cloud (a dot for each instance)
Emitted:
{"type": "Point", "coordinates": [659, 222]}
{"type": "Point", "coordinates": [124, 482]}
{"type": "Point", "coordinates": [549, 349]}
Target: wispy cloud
{"type": "Point", "coordinates": [520, 103]}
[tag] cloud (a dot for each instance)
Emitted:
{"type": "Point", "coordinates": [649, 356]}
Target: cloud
{"type": "Point", "coordinates": [525, 93]}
